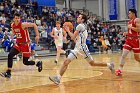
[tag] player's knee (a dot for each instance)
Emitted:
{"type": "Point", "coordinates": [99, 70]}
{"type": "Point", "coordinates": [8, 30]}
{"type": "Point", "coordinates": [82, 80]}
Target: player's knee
{"type": "Point", "coordinates": [137, 59]}
{"type": "Point", "coordinates": [123, 56]}
{"type": "Point", "coordinates": [10, 55]}
{"type": "Point", "coordinates": [58, 51]}
{"type": "Point", "coordinates": [25, 61]}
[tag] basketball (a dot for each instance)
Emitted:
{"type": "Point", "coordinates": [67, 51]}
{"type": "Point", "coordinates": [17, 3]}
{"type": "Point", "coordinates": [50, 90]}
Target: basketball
{"type": "Point", "coordinates": [69, 24]}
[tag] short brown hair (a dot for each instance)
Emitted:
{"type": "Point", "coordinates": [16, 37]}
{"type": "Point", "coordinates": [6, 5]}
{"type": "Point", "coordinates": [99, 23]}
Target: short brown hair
{"type": "Point", "coordinates": [57, 22]}
{"type": "Point", "coordinates": [84, 17]}
{"type": "Point", "coordinates": [17, 14]}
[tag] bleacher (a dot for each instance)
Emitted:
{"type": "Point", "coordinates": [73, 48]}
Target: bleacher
{"type": "Point", "coordinates": [50, 15]}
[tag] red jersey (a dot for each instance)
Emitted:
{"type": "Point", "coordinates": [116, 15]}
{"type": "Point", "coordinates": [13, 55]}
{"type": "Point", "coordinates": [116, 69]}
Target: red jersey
{"type": "Point", "coordinates": [131, 32]}
{"type": "Point", "coordinates": [22, 36]}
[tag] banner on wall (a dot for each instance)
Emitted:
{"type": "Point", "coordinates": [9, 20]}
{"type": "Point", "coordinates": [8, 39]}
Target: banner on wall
{"type": "Point", "coordinates": [130, 4]}
{"type": "Point", "coordinates": [113, 9]}
{"type": "Point", "coordinates": [46, 2]}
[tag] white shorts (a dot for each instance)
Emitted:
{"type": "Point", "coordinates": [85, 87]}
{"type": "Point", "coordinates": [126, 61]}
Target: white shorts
{"type": "Point", "coordinates": [83, 51]}
{"type": "Point", "coordinates": [58, 43]}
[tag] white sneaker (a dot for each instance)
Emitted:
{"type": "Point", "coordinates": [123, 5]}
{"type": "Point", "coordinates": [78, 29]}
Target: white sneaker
{"type": "Point", "coordinates": [111, 67]}
{"type": "Point", "coordinates": [18, 58]}
{"type": "Point", "coordinates": [55, 79]}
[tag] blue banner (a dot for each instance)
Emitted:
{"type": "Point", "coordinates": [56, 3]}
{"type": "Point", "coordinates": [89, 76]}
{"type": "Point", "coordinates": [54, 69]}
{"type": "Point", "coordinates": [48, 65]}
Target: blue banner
{"type": "Point", "coordinates": [113, 9]}
{"type": "Point", "coordinates": [46, 2]}
{"type": "Point", "coordinates": [130, 4]}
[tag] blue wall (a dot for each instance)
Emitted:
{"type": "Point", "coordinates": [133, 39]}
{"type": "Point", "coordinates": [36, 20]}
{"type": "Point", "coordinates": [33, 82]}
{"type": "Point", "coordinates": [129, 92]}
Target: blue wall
{"type": "Point", "coordinates": [46, 2]}
{"type": "Point", "coordinates": [40, 2]}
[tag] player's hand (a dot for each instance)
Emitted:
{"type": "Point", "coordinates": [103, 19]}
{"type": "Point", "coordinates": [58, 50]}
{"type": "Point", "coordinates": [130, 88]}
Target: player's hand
{"type": "Point", "coordinates": [37, 39]}
{"type": "Point", "coordinates": [55, 37]}
{"type": "Point", "coordinates": [129, 26]}
{"type": "Point", "coordinates": [67, 28]}
{"type": "Point", "coordinates": [125, 34]}
{"type": "Point", "coordinates": [64, 38]}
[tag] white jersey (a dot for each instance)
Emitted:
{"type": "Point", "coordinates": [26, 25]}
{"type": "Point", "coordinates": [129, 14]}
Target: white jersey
{"type": "Point", "coordinates": [58, 33]}
{"type": "Point", "coordinates": [81, 47]}
{"type": "Point", "coordinates": [82, 36]}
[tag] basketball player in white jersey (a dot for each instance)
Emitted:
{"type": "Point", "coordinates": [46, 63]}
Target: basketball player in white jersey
{"type": "Point", "coordinates": [79, 36]}
{"type": "Point", "coordinates": [59, 36]}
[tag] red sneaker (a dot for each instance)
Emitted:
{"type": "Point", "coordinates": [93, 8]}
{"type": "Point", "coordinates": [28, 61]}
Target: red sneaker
{"type": "Point", "coordinates": [118, 72]}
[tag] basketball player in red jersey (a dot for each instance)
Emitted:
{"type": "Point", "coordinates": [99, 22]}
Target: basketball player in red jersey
{"type": "Point", "coordinates": [132, 40]}
{"type": "Point", "coordinates": [22, 44]}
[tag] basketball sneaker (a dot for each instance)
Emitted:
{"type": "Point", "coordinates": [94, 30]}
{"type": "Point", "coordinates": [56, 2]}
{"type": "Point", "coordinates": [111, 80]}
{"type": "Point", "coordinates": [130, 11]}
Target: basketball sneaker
{"type": "Point", "coordinates": [39, 65]}
{"type": "Point", "coordinates": [111, 67]}
{"type": "Point", "coordinates": [55, 79]}
{"type": "Point", "coordinates": [6, 74]}
{"type": "Point", "coordinates": [118, 72]}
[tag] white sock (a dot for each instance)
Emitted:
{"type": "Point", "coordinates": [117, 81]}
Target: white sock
{"type": "Point", "coordinates": [56, 59]}
{"type": "Point", "coordinates": [108, 64]}
{"type": "Point", "coordinates": [59, 76]}
{"type": "Point", "coordinates": [64, 52]}
{"type": "Point", "coordinates": [120, 68]}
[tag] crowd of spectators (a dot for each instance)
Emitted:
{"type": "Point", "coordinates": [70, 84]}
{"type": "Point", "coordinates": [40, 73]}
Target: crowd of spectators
{"type": "Point", "coordinates": [45, 18]}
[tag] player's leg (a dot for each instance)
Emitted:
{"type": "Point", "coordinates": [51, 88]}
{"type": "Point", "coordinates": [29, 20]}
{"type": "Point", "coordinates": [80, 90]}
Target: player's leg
{"type": "Point", "coordinates": [11, 54]}
{"type": "Point", "coordinates": [136, 50]}
{"type": "Point", "coordinates": [27, 62]}
{"type": "Point", "coordinates": [58, 51]}
{"type": "Point", "coordinates": [26, 52]}
{"type": "Point", "coordinates": [122, 62]}
{"type": "Point", "coordinates": [90, 60]}
{"type": "Point", "coordinates": [137, 57]}
{"type": "Point", "coordinates": [71, 56]}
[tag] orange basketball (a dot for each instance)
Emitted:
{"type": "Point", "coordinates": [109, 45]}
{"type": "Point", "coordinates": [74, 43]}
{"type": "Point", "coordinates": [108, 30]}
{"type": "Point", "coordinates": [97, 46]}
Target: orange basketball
{"type": "Point", "coordinates": [69, 24]}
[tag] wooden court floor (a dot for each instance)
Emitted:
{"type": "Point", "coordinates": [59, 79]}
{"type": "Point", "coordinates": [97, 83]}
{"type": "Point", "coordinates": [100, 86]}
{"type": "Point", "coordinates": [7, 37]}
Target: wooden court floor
{"type": "Point", "coordinates": [79, 78]}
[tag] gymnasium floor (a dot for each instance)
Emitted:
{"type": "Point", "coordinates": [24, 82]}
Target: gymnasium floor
{"type": "Point", "coordinates": [79, 78]}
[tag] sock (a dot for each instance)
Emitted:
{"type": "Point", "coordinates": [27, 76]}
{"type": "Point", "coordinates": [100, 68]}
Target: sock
{"type": "Point", "coordinates": [59, 76]}
{"type": "Point", "coordinates": [64, 52]}
{"type": "Point", "coordinates": [56, 60]}
{"type": "Point", "coordinates": [108, 64]}
{"type": "Point", "coordinates": [120, 68]}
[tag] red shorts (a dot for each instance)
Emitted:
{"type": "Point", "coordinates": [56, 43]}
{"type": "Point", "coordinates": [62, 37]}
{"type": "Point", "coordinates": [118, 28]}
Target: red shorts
{"type": "Point", "coordinates": [132, 44]}
{"type": "Point", "coordinates": [25, 49]}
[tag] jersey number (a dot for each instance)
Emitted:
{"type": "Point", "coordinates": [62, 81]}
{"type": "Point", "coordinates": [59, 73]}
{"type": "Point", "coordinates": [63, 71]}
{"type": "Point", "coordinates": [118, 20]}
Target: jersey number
{"type": "Point", "coordinates": [18, 35]}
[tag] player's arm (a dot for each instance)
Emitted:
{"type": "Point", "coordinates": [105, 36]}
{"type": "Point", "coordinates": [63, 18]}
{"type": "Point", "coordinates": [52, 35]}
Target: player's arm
{"type": "Point", "coordinates": [137, 28]}
{"type": "Point", "coordinates": [64, 35]}
{"type": "Point", "coordinates": [73, 35]}
{"type": "Point", "coordinates": [12, 34]}
{"type": "Point", "coordinates": [27, 25]}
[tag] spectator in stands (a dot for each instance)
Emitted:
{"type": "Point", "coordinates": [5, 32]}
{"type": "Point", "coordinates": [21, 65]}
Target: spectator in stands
{"type": "Point", "coordinates": [1, 7]}
{"type": "Point", "coordinates": [108, 44]}
{"type": "Point", "coordinates": [44, 34]}
{"type": "Point", "coordinates": [1, 34]}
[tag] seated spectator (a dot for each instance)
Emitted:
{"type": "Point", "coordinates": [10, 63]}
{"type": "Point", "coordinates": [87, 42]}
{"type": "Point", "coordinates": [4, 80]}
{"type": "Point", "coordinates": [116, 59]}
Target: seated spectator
{"type": "Point", "coordinates": [108, 44]}
{"type": "Point", "coordinates": [1, 34]}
